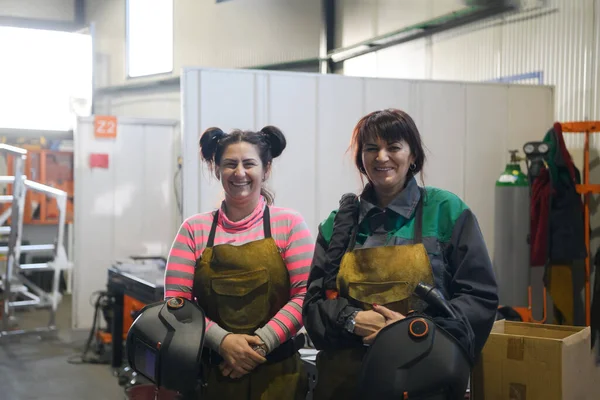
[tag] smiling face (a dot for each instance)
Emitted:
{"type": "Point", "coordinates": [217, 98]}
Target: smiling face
{"type": "Point", "coordinates": [387, 163]}
{"type": "Point", "coordinates": [241, 173]}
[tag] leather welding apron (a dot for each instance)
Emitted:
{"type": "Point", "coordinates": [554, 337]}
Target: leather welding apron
{"type": "Point", "coordinates": [241, 288]}
{"type": "Point", "coordinates": [385, 276]}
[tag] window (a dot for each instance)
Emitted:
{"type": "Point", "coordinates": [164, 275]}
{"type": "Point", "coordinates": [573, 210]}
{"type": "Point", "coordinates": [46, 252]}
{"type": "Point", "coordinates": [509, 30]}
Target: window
{"type": "Point", "coordinates": [45, 78]}
{"type": "Point", "coordinates": [149, 37]}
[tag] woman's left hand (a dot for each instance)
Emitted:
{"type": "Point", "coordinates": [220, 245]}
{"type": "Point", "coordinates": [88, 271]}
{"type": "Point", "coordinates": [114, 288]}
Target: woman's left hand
{"type": "Point", "coordinates": [227, 370]}
{"type": "Point", "coordinates": [390, 317]}
{"type": "Point", "coordinates": [257, 344]}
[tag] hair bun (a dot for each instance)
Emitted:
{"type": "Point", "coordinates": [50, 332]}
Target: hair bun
{"type": "Point", "coordinates": [209, 141]}
{"type": "Point", "coordinates": [275, 138]}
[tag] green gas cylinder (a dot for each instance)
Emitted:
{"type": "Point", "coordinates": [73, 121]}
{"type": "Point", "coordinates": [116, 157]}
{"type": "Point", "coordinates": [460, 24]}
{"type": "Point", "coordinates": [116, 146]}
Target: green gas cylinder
{"type": "Point", "coordinates": [511, 228]}
{"type": "Point", "coordinates": [512, 175]}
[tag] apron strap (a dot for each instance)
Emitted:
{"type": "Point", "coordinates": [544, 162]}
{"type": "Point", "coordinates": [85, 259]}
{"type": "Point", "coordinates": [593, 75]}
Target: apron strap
{"type": "Point", "coordinates": [419, 219]}
{"type": "Point", "coordinates": [267, 222]}
{"type": "Point", "coordinates": [213, 229]}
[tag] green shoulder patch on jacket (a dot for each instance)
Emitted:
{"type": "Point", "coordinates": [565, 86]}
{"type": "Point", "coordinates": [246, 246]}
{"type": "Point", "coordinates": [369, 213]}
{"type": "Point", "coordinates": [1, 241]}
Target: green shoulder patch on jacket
{"type": "Point", "coordinates": [326, 227]}
{"type": "Point", "coordinates": [441, 210]}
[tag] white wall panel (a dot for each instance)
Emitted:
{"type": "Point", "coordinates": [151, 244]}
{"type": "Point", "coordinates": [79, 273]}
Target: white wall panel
{"type": "Point", "coordinates": [292, 107]}
{"type": "Point", "coordinates": [390, 93]}
{"type": "Point", "coordinates": [157, 188]}
{"type": "Point", "coordinates": [128, 192]}
{"type": "Point", "coordinates": [467, 129]}
{"type": "Point", "coordinates": [341, 105]}
{"type": "Point", "coordinates": [93, 220]}
{"type": "Point", "coordinates": [127, 209]}
{"type": "Point", "coordinates": [486, 134]}
{"type": "Point", "coordinates": [227, 101]}
{"type": "Point", "coordinates": [442, 118]}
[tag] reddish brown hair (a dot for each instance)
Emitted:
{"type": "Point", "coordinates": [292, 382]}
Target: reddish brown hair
{"type": "Point", "coordinates": [390, 125]}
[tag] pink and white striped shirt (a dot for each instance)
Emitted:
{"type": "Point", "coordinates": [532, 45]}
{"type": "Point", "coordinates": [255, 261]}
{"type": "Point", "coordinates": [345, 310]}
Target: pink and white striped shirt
{"type": "Point", "coordinates": [293, 238]}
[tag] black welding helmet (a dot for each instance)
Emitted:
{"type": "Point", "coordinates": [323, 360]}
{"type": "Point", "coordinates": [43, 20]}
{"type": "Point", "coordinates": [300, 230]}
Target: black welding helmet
{"type": "Point", "coordinates": [164, 344]}
{"type": "Point", "coordinates": [415, 359]}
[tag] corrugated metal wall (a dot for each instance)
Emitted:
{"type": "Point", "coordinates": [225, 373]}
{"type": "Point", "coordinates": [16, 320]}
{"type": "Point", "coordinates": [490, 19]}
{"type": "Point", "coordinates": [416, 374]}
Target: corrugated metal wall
{"type": "Point", "coordinates": [553, 44]}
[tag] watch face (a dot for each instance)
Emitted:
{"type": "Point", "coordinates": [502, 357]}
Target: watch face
{"type": "Point", "coordinates": [350, 323]}
{"type": "Point", "coordinates": [260, 350]}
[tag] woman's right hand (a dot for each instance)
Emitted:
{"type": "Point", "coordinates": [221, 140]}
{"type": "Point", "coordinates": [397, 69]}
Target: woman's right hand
{"type": "Point", "coordinates": [368, 323]}
{"type": "Point", "coordinates": [237, 352]}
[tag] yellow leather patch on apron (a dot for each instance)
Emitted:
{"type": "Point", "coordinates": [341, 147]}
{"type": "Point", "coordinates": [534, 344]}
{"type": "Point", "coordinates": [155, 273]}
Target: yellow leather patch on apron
{"type": "Point", "coordinates": [242, 295]}
{"type": "Point", "coordinates": [384, 275]}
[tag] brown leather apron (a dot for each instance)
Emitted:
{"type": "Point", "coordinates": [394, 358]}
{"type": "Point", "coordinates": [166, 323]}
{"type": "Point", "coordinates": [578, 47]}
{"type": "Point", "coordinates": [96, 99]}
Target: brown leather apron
{"type": "Point", "coordinates": [384, 275]}
{"type": "Point", "coordinates": [241, 288]}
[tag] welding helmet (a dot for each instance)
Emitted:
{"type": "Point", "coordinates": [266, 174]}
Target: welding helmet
{"type": "Point", "coordinates": [414, 359]}
{"type": "Point", "coordinates": [164, 344]}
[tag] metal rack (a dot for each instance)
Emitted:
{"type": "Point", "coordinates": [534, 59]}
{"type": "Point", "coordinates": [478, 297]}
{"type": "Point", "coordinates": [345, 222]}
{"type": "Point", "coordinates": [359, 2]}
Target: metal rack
{"type": "Point", "coordinates": [586, 189]}
{"type": "Point", "coordinates": [17, 289]}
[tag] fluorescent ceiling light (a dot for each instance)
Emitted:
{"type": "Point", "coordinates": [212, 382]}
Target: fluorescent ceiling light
{"type": "Point", "coordinates": [348, 53]}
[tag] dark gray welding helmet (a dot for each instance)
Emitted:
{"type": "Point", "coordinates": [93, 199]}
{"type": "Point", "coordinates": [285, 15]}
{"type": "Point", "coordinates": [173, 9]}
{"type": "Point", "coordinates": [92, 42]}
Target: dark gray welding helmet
{"type": "Point", "coordinates": [414, 358]}
{"type": "Point", "coordinates": [164, 344]}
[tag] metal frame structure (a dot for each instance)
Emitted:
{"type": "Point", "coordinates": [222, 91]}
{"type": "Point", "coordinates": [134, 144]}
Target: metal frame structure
{"type": "Point", "coordinates": [17, 289]}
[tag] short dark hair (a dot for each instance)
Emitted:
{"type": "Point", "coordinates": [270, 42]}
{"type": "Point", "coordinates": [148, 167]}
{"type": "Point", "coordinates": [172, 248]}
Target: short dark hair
{"type": "Point", "coordinates": [390, 125]}
{"type": "Point", "coordinates": [269, 141]}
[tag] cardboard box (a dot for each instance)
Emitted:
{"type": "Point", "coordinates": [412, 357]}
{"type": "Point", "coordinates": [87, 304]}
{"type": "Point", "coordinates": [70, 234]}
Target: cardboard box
{"type": "Point", "coordinates": [525, 361]}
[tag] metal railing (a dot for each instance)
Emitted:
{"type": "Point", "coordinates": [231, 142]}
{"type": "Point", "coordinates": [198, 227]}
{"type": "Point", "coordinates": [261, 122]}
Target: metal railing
{"type": "Point", "coordinates": [17, 289]}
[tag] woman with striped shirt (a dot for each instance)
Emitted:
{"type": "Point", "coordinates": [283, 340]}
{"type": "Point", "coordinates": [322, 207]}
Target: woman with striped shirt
{"type": "Point", "coordinates": [246, 264]}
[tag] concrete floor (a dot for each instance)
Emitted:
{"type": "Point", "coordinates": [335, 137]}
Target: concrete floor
{"type": "Point", "coordinates": [37, 366]}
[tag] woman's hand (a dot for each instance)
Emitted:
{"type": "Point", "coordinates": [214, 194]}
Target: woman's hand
{"type": "Point", "coordinates": [368, 323]}
{"type": "Point", "coordinates": [389, 316]}
{"type": "Point", "coordinates": [238, 355]}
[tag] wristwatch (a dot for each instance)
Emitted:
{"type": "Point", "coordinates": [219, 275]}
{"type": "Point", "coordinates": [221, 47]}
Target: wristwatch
{"type": "Point", "coordinates": [261, 349]}
{"type": "Point", "coordinates": [350, 322]}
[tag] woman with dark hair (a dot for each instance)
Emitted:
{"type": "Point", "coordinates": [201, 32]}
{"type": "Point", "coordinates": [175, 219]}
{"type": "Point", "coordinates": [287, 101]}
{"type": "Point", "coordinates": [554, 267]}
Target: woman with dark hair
{"type": "Point", "coordinates": [401, 235]}
{"type": "Point", "coordinates": [246, 265]}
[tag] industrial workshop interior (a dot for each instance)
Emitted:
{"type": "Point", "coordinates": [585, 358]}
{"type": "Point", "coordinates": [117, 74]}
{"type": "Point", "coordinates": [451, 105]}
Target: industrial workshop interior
{"type": "Point", "coordinates": [300, 199]}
